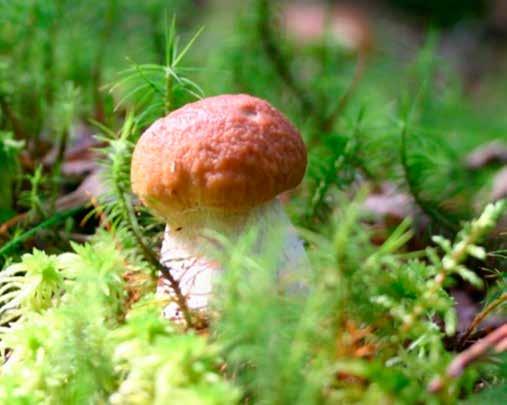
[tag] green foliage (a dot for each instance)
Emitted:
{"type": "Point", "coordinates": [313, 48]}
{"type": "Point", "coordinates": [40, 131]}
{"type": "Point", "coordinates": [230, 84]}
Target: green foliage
{"type": "Point", "coordinates": [376, 323]}
{"type": "Point", "coordinates": [337, 343]}
{"type": "Point", "coordinates": [45, 56]}
{"type": "Point", "coordinates": [9, 172]}
{"type": "Point", "coordinates": [60, 353]}
{"type": "Point", "coordinates": [71, 341]}
{"type": "Point", "coordinates": [31, 285]}
{"type": "Point", "coordinates": [496, 385]}
{"type": "Point", "coordinates": [156, 89]}
{"type": "Point", "coordinates": [161, 366]}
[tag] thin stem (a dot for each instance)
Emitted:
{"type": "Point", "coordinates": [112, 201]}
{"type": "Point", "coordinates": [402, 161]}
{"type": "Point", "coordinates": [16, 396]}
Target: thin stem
{"type": "Point", "coordinates": [58, 217]}
{"type": "Point", "coordinates": [278, 60]}
{"type": "Point", "coordinates": [9, 115]}
{"type": "Point", "coordinates": [481, 316]}
{"type": "Point", "coordinates": [168, 102]}
{"type": "Point", "coordinates": [62, 146]}
{"type": "Point", "coordinates": [457, 256]}
{"type": "Point", "coordinates": [4, 228]}
{"type": "Point", "coordinates": [358, 73]}
{"type": "Point", "coordinates": [96, 75]}
{"type": "Point", "coordinates": [426, 207]}
{"type": "Point", "coordinates": [495, 339]}
{"type": "Point", "coordinates": [152, 259]}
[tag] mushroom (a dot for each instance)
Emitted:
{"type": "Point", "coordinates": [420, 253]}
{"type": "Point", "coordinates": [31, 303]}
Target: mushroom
{"type": "Point", "coordinates": [218, 164]}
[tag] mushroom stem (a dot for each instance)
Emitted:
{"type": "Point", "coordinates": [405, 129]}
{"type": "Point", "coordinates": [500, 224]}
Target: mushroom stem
{"type": "Point", "coordinates": [185, 251]}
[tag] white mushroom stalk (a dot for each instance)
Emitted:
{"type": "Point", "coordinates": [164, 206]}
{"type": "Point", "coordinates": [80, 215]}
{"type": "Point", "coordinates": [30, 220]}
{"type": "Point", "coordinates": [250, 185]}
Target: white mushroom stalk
{"type": "Point", "coordinates": [218, 164]}
{"type": "Point", "coordinates": [186, 248]}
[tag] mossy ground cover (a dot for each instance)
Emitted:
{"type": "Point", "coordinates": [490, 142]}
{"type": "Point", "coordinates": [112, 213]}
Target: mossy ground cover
{"type": "Point", "coordinates": [396, 210]}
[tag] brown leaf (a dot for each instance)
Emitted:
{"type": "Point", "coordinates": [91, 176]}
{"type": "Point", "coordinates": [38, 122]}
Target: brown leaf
{"type": "Point", "coordinates": [90, 188]}
{"type": "Point", "coordinates": [389, 203]}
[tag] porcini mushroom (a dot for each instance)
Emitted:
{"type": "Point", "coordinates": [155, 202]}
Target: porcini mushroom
{"type": "Point", "coordinates": [218, 164]}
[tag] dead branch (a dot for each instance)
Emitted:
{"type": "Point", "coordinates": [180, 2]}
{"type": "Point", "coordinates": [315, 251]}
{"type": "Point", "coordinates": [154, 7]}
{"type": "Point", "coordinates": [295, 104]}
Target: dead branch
{"type": "Point", "coordinates": [496, 340]}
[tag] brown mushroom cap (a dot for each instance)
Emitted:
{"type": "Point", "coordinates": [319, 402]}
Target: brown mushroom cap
{"type": "Point", "coordinates": [229, 153]}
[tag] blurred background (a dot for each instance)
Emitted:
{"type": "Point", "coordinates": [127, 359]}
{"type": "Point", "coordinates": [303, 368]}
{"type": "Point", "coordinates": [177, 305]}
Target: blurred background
{"type": "Point", "coordinates": [403, 108]}
{"type": "Point", "coordinates": [406, 96]}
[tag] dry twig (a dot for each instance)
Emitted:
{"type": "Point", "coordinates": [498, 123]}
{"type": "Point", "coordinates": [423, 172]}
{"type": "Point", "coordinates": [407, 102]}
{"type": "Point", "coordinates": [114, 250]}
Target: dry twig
{"type": "Point", "coordinates": [496, 340]}
{"type": "Point", "coordinates": [481, 316]}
